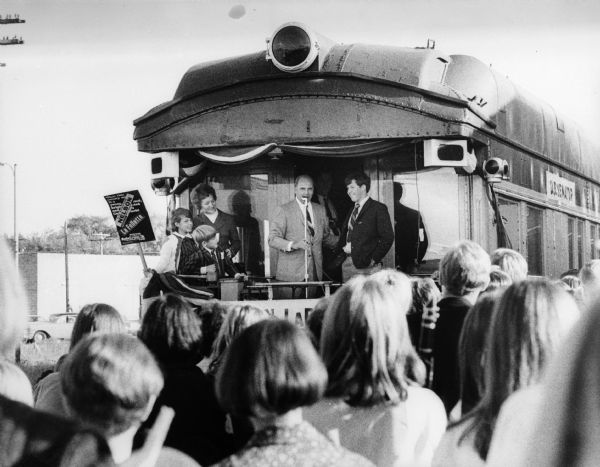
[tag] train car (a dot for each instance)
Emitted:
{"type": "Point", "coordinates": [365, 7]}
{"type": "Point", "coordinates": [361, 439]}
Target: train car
{"type": "Point", "coordinates": [445, 135]}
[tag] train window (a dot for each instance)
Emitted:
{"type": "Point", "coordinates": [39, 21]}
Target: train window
{"type": "Point", "coordinates": [535, 231]}
{"type": "Point", "coordinates": [571, 237]}
{"type": "Point", "coordinates": [426, 217]}
{"type": "Point", "coordinates": [594, 241]}
{"type": "Point", "coordinates": [579, 243]}
{"type": "Point", "coordinates": [509, 210]}
{"type": "Point", "coordinates": [575, 236]}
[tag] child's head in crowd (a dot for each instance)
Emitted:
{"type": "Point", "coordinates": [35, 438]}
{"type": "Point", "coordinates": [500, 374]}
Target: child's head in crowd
{"type": "Point", "coordinates": [181, 221]}
{"type": "Point", "coordinates": [212, 314]}
{"type": "Point", "coordinates": [511, 262]}
{"type": "Point", "coordinates": [238, 318]}
{"type": "Point", "coordinates": [172, 330]}
{"type": "Point", "coordinates": [465, 270]}
{"type": "Point", "coordinates": [270, 369]}
{"type": "Point", "coordinates": [110, 383]}
{"type": "Point", "coordinates": [96, 317]}
{"type": "Point", "coordinates": [206, 236]}
{"type": "Point", "coordinates": [424, 293]}
{"type": "Point", "coordinates": [498, 279]}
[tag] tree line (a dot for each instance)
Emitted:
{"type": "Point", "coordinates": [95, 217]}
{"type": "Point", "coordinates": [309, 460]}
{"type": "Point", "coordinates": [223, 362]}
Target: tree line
{"type": "Point", "coordinates": [88, 235]}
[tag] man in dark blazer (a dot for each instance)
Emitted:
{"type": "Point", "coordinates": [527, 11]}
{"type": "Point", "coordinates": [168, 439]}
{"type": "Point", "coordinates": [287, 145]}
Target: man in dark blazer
{"type": "Point", "coordinates": [367, 232]}
{"type": "Point", "coordinates": [464, 274]}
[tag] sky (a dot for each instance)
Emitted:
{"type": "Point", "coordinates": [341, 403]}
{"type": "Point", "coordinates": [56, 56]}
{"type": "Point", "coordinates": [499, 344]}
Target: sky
{"type": "Point", "coordinates": [88, 68]}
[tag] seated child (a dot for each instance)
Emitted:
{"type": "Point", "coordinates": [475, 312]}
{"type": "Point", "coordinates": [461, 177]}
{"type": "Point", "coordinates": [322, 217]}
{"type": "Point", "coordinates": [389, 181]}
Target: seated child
{"type": "Point", "coordinates": [213, 260]}
{"type": "Point", "coordinates": [179, 254]}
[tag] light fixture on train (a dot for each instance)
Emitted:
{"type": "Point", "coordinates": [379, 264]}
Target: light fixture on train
{"type": "Point", "coordinates": [164, 169]}
{"type": "Point", "coordinates": [449, 153]}
{"type": "Point", "coordinates": [495, 170]}
{"type": "Point", "coordinates": [293, 47]}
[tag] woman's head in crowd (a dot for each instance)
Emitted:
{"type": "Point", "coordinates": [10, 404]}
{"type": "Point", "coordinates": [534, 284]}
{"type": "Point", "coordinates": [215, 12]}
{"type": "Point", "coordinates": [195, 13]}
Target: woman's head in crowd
{"type": "Point", "coordinates": [530, 319]}
{"type": "Point", "coordinates": [590, 272]}
{"type": "Point", "coordinates": [568, 425]}
{"type": "Point", "coordinates": [110, 382]}
{"type": "Point", "coordinates": [365, 343]}
{"type": "Point", "coordinates": [511, 262]}
{"type": "Point", "coordinates": [498, 279]}
{"type": "Point", "coordinates": [212, 314]}
{"type": "Point", "coordinates": [397, 285]}
{"type": "Point", "coordinates": [204, 198]}
{"type": "Point", "coordinates": [96, 317]}
{"type": "Point", "coordinates": [314, 322]}
{"type": "Point", "coordinates": [464, 269]}
{"type": "Point", "coordinates": [172, 330]}
{"type": "Point", "coordinates": [472, 345]}
{"type": "Point", "coordinates": [238, 318]}
{"type": "Point", "coordinates": [424, 293]}
{"type": "Point", "coordinates": [270, 369]}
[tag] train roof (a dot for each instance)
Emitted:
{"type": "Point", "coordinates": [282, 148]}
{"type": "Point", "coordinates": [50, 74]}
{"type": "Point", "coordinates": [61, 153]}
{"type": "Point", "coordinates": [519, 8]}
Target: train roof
{"type": "Point", "coordinates": [359, 92]}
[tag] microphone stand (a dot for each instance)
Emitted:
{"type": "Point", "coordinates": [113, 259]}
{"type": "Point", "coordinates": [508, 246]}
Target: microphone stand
{"type": "Point", "coordinates": [305, 244]}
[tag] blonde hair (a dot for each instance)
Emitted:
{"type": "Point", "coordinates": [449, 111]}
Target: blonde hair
{"type": "Point", "coordinates": [511, 262]}
{"type": "Point", "coordinates": [465, 268]}
{"type": "Point", "coordinates": [365, 343]}
{"type": "Point", "coordinates": [530, 320]}
{"type": "Point", "coordinates": [238, 318]}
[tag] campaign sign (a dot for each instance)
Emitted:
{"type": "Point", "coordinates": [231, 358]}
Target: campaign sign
{"type": "Point", "coordinates": [131, 217]}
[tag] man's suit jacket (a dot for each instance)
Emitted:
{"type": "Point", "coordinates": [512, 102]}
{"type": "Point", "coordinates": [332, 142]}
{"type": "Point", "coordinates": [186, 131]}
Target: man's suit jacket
{"type": "Point", "coordinates": [372, 235]}
{"type": "Point", "coordinates": [225, 266]}
{"type": "Point", "coordinates": [287, 224]}
{"type": "Point", "coordinates": [225, 225]}
{"type": "Point", "coordinates": [446, 379]}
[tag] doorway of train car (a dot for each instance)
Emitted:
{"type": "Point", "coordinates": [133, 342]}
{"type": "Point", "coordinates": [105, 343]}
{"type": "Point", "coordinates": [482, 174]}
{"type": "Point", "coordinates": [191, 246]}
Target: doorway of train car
{"type": "Point", "coordinates": [427, 217]}
{"type": "Point", "coordinates": [242, 193]}
{"type": "Point", "coordinates": [328, 174]}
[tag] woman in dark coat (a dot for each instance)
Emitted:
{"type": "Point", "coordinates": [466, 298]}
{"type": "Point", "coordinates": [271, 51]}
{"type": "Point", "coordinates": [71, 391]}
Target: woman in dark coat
{"type": "Point", "coordinates": [172, 331]}
{"type": "Point", "coordinates": [204, 199]}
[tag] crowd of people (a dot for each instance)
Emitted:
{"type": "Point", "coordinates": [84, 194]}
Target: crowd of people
{"type": "Point", "coordinates": [491, 367]}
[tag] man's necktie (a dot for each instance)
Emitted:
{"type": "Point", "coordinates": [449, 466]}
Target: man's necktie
{"type": "Point", "coordinates": [327, 210]}
{"type": "Point", "coordinates": [353, 217]}
{"type": "Point", "coordinates": [309, 223]}
{"type": "Point", "coordinates": [217, 264]}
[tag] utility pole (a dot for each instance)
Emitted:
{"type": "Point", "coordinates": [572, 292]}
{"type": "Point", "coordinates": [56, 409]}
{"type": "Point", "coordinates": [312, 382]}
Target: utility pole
{"type": "Point", "coordinates": [13, 168]}
{"type": "Point", "coordinates": [68, 305]}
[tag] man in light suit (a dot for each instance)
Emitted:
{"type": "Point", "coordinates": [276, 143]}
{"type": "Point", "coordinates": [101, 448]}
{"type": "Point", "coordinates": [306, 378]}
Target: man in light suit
{"type": "Point", "coordinates": [298, 230]}
{"type": "Point", "coordinates": [367, 232]}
